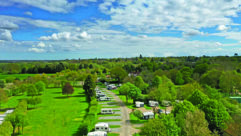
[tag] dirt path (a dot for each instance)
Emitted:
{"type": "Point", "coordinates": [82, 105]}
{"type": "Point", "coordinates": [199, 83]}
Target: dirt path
{"type": "Point", "coordinates": [126, 127]}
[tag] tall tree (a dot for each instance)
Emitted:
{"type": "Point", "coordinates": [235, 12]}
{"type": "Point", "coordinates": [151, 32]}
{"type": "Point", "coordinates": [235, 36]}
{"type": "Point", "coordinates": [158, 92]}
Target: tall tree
{"type": "Point", "coordinates": [31, 90]}
{"type": "Point", "coordinates": [6, 129]}
{"type": "Point", "coordinates": [67, 89]}
{"type": "Point", "coordinates": [141, 84]}
{"type": "Point", "coordinates": [197, 98]}
{"type": "Point", "coordinates": [196, 124]}
{"type": "Point", "coordinates": [118, 73]}
{"type": "Point", "coordinates": [40, 86]}
{"type": "Point", "coordinates": [89, 87]}
{"type": "Point", "coordinates": [156, 81]}
{"type": "Point", "coordinates": [215, 114]}
{"type": "Point", "coordinates": [179, 80]}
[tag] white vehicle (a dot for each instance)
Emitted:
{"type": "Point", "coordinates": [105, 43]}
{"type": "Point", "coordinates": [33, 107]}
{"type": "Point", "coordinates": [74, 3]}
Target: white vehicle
{"type": "Point", "coordinates": [102, 127]}
{"type": "Point", "coordinates": [111, 87]}
{"type": "Point", "coordinates": [148, 115]}
{"type": "Point", "coordinates": [153, 103]}
{"type": "Point", "coordinates": [107, 111]}
{"type": "Point", "coordinates": [139, 104]}
{"type": "Point", "coordinates": [97, 133]}
{"type": "Point", "coordinates": [104, 99]}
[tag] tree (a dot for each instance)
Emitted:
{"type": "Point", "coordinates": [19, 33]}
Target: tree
{"type": "Point", "coordinates": [6, 128]}
{"type": "Point", "coordinates": [156, 81]}
{"type": "Point", "coordinates": [215, 114]}
{"type": "Point", "coordinates": [183, 108]}
{"type": "Point", "coordinates": [186, 90]}
{"type": "Point", "coordinates": [2, 84]}
{"type": "Point", "coordinates": [3, 97]}
{"type": "Point", "coordinates": [211, 78]}
{"type": "Point", "coordinates": [141, 84]}
{"type": "Point", "coordinates": [133, 92]}
{"type": "Point", "coordinates": [40, 86]}
{"type": "Point", "coordinates": [34, 101]}
{"type": "Point", "coordinates": [196, 124]}
{"type": "Point", "coordinates": [201, 68]}
{"type": "Point", "coordinates": [186, 72]}
{"type": "Point", "coordinates": [31, 90]}
{"type": "Point", "coordinates": [154, 127]}
{"type": "Point", "coordinates": [198, 98]}
{"type": "Point", "coordinates": [67, 89]}
{"type": "Point", "coordinates": [118, 73]}
{"type": "Point", "coordinates": [89, 87]}
{"type": "Point", "coordinates": [124, 90]}
{"type": "Point", "coordinates": [179, 80]}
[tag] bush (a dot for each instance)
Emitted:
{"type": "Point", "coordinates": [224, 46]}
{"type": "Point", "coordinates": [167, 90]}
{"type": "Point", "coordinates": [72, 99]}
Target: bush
{"type": "Point", "coordinates": [10, 79]}
{"type": "Point", "coordinates": [83, 129]}
{"type": "Point", "coordinates": [1, 84]}
{"type": "Point", "coordinates": [34, 101]}
{"type": "Point", "coordinates": [138, 114]}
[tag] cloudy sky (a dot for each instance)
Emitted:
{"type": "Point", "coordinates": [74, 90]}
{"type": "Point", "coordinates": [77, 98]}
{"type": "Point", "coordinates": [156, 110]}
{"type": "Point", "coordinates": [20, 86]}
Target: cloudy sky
{"type": "Point", "coordinates": [61, 29]}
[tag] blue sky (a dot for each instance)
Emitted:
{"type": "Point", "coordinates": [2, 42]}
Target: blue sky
{"type": "Point", "coordinates": [67, 29]}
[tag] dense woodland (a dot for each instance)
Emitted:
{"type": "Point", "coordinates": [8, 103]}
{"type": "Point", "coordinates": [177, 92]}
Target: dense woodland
{"type": "Point", "coordinates": [204, 84]}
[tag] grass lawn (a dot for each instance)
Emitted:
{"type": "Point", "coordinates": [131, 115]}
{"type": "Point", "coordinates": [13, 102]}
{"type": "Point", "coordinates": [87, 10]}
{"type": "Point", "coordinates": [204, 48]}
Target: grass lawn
{"type": "Point", "coordinates": [113, 134]}
{"type": "Point", "coordinates": [108, 120]}
{"type": "Point", "coordinates": [136, 120]}
{"type": "Point", "coordinates": [20, 76]}
{"type": "Point", "coordinates": [57, 115]}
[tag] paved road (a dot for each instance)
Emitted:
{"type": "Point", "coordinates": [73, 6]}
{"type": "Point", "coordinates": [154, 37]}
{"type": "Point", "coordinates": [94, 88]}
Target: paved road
{"type": "Point", "coordinates": [126, 128]}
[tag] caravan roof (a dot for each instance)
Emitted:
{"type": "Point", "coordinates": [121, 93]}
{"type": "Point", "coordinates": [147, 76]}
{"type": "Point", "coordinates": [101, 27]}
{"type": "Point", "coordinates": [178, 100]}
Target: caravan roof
{"type": "Point", "coordinates": [102, 124]}
{"type": "Point", "coordinates": [97, 133]}
{"type": "Point", "coordinates": [148, 113]}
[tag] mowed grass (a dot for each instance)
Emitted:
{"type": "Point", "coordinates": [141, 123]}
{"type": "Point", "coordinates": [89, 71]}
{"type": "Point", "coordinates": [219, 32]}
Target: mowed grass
{"type": "Point", "coordinates": [57, 115]}
{"type": "Point", "coordinates": [20, 76]}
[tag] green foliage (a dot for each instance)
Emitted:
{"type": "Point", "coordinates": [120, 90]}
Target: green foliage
{"type": "Point", "coordinates": [196, 124]}
{"type": "Point", "coordinates": [179, 80]}
{"type": "Point", "coordinates": [229, 81]}
{"type": "Point", "coordinates": [6, 128]}
{"type": "Point", "coordinates": [154, 127]}
{"type": "Point", "coordinates": [141, 84]}
{"type": "Point", "coordinates": [156, 81]}
{"type": "Point", "coordinates": [133, 91]}
{"type": "Point", "coordinates": [118, 73]}
{"type": "Point", "coordinates": [3, 97]}
{"type": "Point", "coordinates": [2, 84]}
{"type": "Point", "coordinates": [10, 79]}
{"type": "Point", "coordinates": [40, 86]}
{"type": "Point", "coordinates": [89, 87]}
{"type": "Point", "coordinates": [211, 78]}
{"type": "Point", "coordinates": [186, 90]}
{"type": "Point", "coordinates": [183, 108]}
{"type": "Point", "coordinates": [83, 129]}
{"type": "Point", "coordinates": [215, 114]}
{"type": "Point", "coordinates": [138, 114]}
{"type": "Point", "coordinates": [31, 90]}
{"type": "Point", "coordinates": [197, 98]}
{"type": "Point", "coordinates": [34, 101]}
{"type": "Point", "coordinates": [186, 73]}
{"type": "Point", "coordinates": [201, 68]}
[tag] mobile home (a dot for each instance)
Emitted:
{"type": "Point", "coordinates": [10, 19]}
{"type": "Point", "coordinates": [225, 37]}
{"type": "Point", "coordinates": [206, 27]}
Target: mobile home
{"type": "Point", "coordinates": [139, 104]}
{"type": "Point", "coordinates": [107, 111]}
{"type": "Point", "coordinates": [153, 103]}
{"type": "Point", "coordinates": [104, 99]}
{"type": "Point", "coordinates": [148, 115]}
{"type": "Point", "coordinates": [97, 133]}
{"type": "Point", "coordinates": [102, 127]}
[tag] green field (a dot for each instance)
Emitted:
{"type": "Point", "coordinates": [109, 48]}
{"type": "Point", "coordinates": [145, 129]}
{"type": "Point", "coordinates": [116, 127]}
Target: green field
{"type": "Point", "coordinates": [20, 76]}
{"type": "Point", "coordinates": [56, 115]}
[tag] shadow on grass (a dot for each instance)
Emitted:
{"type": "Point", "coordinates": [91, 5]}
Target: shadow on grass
{"type": "Point", "coordinates": [56, 92]}
{"type": "Point", "coordinates": [80, 95]}
{"type": "Point", "coordinates": [62, 97]}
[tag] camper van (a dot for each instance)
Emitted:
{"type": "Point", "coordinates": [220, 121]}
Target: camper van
{"type": "Point", "coordinates": [148, 115]}
{"type": "Point", "coordinates": [107, 111]}
{"type": "Point", "coordinates": [97, 133]}
{"type": "Point", "coordinates": [153, 103]}
{"type": "Point", "coordinates": [139, 104]}
{"type": "Point", "coordinates": [104, 98]}
{"type": "Point", "coordinates": [111, 87]}
{"type": "Point", "coordinates": [102, 127]}
{"type": "Point", "coordinates": [100, 95]}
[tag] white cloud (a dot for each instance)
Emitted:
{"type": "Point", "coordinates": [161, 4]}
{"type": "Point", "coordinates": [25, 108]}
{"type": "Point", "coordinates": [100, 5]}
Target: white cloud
{"type": "Point", "coordinates": [28, 13]}
{"type": "Point", "coordinates": [65, 36]}
{"type": "Point", "coordinates": [37, 50]}
{"type": "Point", "coordinates": [5, 35]}
{"type": "Point", "coordinates": [63, 6]}
{"type": "Point", "coordinates": [40, 44]}
{"type": "Point", "coordinates": [222, 28]}
{"type": "Point", "coordinates": [183, 15]}
{"type": "Point", "coordinates": [5, 24]}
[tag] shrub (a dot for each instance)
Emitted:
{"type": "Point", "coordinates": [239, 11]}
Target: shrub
{"type": "Point", "coordinates": [10, 79]}
{"type": "Point", "coordinates": [83, 129]}
{"type": "Point", "coordinates": [1, 84]}
{"type": "Point", "coordinates": [138, 114]}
